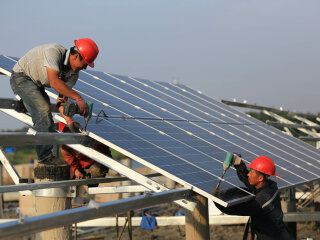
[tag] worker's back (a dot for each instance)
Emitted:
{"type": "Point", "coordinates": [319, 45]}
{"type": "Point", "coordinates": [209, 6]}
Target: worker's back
{"type": "Point", "coordinates": [267, 216]}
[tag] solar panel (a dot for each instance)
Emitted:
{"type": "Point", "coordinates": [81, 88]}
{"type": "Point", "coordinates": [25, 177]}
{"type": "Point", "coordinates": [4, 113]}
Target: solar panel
{"type": "Point", "coordinates": [185, 135]}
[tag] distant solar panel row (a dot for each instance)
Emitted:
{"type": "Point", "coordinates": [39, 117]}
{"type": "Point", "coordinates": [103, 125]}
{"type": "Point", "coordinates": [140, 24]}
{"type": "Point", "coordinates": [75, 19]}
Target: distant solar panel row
{"type": "Point", "coordinates": [192, 150]}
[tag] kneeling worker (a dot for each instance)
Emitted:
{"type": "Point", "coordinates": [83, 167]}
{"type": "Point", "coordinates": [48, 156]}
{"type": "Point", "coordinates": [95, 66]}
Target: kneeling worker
{"type": "Point", "coordinates": [264, 209]}
{"type": "Point", "coordinates": [82, 166]}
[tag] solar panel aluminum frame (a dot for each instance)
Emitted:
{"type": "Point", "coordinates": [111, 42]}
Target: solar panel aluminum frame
{"type": "Point", "coordinates": [4, 72]}
{"type": "Point", "coordinates": [92, 211]}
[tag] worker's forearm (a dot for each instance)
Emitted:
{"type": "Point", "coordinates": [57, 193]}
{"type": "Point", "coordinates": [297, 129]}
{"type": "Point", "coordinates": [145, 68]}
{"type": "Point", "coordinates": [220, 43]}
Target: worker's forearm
{"type": "Point", "coordinates": [63, 89]}
{"type": "Point", "coordinates": [242, 173]}
{"type": "Point", "coordinates": [67, 118]}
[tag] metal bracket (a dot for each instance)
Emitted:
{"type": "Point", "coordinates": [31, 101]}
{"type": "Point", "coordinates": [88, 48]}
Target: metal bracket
{"type": "Point", "coordinates": [56, 192]}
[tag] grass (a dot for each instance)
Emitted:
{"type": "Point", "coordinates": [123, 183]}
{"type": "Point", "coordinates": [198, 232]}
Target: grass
{"type": "Point", "coordinates": [21, 155]}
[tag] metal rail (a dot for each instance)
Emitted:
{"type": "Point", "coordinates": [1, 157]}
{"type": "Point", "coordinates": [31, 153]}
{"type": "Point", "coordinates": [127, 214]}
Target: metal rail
{"type": "Point", "coordinates": [275, 110]}
{"type": "Point", "coordinates": [180, 220]}
{"type": "Point", "coordinates": [284, 120]}
{"type": "Point", "coordinates": [291, 125]}
{"type": "Point", "coordinates": [102, 115]}
{"type": "Point", "coordinates": [92, 211]}
{"type": "Point", "coordinates": [41, 138]}
{"type": "Point", "coordinates": [10, 169]}
{"type": "Point", "coordinates": [117, 189]}
{"type": "Point", "coordinates": [67, 183]}
{"type": "Point", "coordinates": [309, 139]}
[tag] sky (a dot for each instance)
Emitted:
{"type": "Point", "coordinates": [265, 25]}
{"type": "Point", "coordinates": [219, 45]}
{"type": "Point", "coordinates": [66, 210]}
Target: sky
{"type": "Point", "coordinates": [266, 52]}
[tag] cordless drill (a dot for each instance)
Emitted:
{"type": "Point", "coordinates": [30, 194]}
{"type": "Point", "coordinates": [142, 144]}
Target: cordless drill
{"type": "Point", "coordinates": [70, 108]}
{"type": "Point", "coordinates": [230, 160]}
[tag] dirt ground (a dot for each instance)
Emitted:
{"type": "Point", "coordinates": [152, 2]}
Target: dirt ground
{"type": "Point", "coordinates": [233, 232]}
{"type": "Point", "coordinates": [217, 232]}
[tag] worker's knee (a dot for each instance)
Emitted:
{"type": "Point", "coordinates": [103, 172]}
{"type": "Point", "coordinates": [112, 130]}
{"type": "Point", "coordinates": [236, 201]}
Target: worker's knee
{"type": "Point", "coordinates": [42, 120]}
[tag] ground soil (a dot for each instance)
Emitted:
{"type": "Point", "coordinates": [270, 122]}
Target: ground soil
{"type": "Point", "coordinates": [217, 232]}
{"type": "Point", "coordinates": [235, 232]}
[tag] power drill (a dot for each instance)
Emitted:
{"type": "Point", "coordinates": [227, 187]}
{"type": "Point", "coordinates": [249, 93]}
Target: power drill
{"type": "Point", "coordinates": [70, 108]}
{"type": "Point", "coordinates": [229, 161]}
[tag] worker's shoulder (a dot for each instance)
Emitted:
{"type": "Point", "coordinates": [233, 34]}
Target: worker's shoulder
{"type": "Point", "coordinates": [266, 192]}
{"type": "Point", "coordinates": [51, 50]}
{"type": "Point", "coordinates": [48, 46]}
{"type": "Point", "coordinates": [53, 46]}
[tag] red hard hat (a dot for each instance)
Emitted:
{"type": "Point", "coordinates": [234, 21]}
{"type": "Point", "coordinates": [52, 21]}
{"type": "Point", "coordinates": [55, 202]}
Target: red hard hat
{"type": "Point", "coordinates": [61, 126]}
{"type": "Point", "coordinates": [88, 50]}
{"type": "Point", "coordinates": [263, 164]}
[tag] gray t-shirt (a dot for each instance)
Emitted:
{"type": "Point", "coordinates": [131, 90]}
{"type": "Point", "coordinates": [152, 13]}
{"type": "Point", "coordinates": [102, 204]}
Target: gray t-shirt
{"type": "Point", "coordinates": [34, 63]}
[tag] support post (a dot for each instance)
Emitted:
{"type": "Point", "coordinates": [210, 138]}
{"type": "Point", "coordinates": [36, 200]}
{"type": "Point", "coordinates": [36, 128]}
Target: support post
{"type": "Point", "coordinates": [317, 205]}
{"type": "Point", "coordinates": [1, 195]}
{"type": "Point", "coordinates": [52, 202]}
{"type": "Point", "coordinates": [197, 222]}
{"type": "Point", "coordinates": [127, 162]}
{"type": "Point", "coordinates": [170, 183]}
{"type": "Point", "coordinates": [288, 204]}
{"type": "Point", "coordinates": [130, 214]}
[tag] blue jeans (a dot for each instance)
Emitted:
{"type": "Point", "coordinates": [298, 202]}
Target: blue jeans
{"type": "Point", "coordinates": [37, 102]}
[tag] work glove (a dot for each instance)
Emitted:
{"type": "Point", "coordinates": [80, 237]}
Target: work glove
{"type": "Point", "coordinates": [74, 126]}
{"type": "Point", "coordinates": [232, 159]}
{"type": "Point", "coordinates": [236, 159]}
{"type": "Point", "coordinates": [83, 107]}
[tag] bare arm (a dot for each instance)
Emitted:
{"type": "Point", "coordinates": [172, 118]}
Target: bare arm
{"type": "Point", "coordinates": [67, 118]}
{"type": "Point", "coordinates": [57, 84]}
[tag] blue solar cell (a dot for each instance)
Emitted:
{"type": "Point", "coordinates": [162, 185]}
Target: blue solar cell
{"type": "Point", "coordinates": [6, 63]}
{"type": "Point", "coordinates": [203, 149]}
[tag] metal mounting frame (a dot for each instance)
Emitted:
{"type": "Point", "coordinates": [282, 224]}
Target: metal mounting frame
{"type": "Point", "coordinates": [117, 189]}
{"type": "Point", "coordinates": [94, 210]}
{"type": "Point", "coordinates": [284, 120]}
{"type": "Point", "coordinates": [107, 161]}
{"type": "Point", "coordinates": [10, 169]}
{"type": "Point", "coordinates": [41, 138]}
{"type": "Point", "coordinates": [66, 183]}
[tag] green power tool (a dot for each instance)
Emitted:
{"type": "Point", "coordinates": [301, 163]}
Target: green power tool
{"type": "Point", "coordinates": [230, 160]}
{"type": "Point", "coordinates": [70, 108]}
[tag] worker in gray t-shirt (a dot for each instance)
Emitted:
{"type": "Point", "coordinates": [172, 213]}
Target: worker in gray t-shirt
{"type": "Point", "coordinates": [51, 65]}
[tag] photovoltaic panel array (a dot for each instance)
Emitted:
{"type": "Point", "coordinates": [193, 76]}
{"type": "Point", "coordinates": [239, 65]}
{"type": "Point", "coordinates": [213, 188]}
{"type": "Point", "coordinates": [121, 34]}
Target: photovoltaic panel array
{"type": "Point", "coordinates": [185, 134]}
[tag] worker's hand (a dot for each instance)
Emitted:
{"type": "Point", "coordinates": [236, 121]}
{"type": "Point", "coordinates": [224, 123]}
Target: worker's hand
{"type": "Point", "coordinates": [236, 159]}
{"type": "Point", "coordinates": [83, 107]}
{"type": "Point", "coordinates": [74, 126]}
{"type": "Point", "coordinates": [78, 174]}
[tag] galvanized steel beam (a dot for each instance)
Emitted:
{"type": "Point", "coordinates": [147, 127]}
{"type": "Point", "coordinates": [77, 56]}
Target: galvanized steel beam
{"type": "Point", "coordinates": [93, 210]}
{"type": "Point", "coordinates": [41, 138]}
{"type": "Point", "coordinates": [67, 183]}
